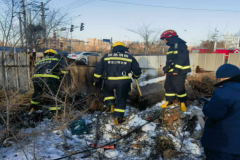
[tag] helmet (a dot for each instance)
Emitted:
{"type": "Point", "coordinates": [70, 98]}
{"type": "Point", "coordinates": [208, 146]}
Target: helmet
{"type": "Point", "coordinates": [118, 44]}
{"type": "Point", "coordinates": [168, 34]}
{"type": "Point", "coordinates": [51, 51]}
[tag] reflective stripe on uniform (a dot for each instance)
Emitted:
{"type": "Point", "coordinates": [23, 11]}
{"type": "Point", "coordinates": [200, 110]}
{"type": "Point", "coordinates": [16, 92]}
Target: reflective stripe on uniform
{"type": "Point", "coordinates": [119, 78]}
{"type": "Point", "coordinates": [64, 72]}
{"type": "Point", "coordinates": [118, 58]}
{"type": "Point", "coordinates": [109, 98]}
{"type": "Point", "coordinates": [171, 70]}
{"type": "Point", "coordinates": [55, 108]}
{"type": "Point", "coordinates": [46, 75]}
{"type": "Point", "coordinates": [34, 102]}
{"type": "Point", "coordinates": [182, 67]}
{"type": "Point", "coordinates": [97, 75]}
{"type": "Point", "coordinates": [48, 59]}
{"type": "Point", "coordinates": [182, 95]}
{"type": "Point", "coordinates": [119, 110]}
{"type": "Point", "coordinates": [170, 94]}
{"type": "Point", "coordinates": [178, 66]}
{"type": "Point", "coordinates": [186, 67]}
{"type": "Point", "coordinates": [172, 52]}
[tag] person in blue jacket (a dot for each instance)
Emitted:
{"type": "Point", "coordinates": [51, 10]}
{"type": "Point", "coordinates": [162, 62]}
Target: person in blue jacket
{"type": "Point", "coordinates": [221, 137]}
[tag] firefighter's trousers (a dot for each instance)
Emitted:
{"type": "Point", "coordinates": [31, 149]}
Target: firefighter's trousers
{"type": "Point", "coordinates": [122, 88]}
{"type": "Point", "coordinates": [175, 88]}
{"type": "Point", "coordinates": [44, 86]}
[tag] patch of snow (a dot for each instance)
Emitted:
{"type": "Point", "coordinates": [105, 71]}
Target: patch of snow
{"type": "Point", "coordinates": [136, 121]}
{"type": "Point", "coordinates": [111, 153]}
{"type": "Point", "coordinates": [198, 127]}
{"type": "Point", "coordinates": [155, 80]}
{"type": "Point", "coordinates": [149, 127]}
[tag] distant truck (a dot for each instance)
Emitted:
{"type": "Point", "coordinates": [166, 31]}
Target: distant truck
{"type": "Point", "coordinates": [226, 51]}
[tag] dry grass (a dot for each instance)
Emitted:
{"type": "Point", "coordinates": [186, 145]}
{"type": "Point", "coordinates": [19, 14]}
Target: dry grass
{"type": "Point", "coordinates": [18, 102]}
{"type": "Point", "coordinates": [201, 85]}
{"type": "Point", "coordinates": [199, 76]}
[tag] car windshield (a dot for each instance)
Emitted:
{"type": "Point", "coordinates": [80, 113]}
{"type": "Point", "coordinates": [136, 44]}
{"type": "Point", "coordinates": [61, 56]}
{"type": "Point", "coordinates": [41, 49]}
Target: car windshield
{"type": "Point", "coordinates": [78, 53]}
{"type": "Point", "coordinates": [85, 54]}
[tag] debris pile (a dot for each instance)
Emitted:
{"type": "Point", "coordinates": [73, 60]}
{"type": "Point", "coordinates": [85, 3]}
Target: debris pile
{"type": "Point", "coordinates": [150, 134]}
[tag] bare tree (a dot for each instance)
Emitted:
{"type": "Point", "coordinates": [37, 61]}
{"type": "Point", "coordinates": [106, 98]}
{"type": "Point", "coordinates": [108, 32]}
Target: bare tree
{"type": "Point", "coordinates": [213, 37]}
{"type": "Point", "coordinates": [147, 33]}
{"type": "Point", "coordinates": [10, 37]}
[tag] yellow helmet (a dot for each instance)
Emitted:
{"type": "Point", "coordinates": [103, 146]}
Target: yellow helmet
{"type": "Point", "coordinates": [51, 51]}
{"type": "Point", "coordinates": [118, 44]}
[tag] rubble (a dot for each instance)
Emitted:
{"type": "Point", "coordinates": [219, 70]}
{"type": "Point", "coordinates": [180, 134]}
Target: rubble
{"type": "Point", "coordinates": [140, 137]}
{"type": "Point", "coordinates": [172, 118]}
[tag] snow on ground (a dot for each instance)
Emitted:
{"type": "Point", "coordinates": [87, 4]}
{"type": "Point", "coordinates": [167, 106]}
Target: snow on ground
{"type": "Point", "coordinates": [45, 143]}
{"type": "Point", "coordinates": [155, 80]}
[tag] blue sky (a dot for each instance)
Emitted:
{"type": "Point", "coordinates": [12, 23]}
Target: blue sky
{"type": "Point", "coordinates": [106, 19]}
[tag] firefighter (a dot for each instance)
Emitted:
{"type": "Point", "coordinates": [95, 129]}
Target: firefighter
{"type": "Point", "coordinates": [114, 69]}
{"type": "Point", "coordinates": [48, 73]}
{"type": "Point", "coordinates": [176, 69]}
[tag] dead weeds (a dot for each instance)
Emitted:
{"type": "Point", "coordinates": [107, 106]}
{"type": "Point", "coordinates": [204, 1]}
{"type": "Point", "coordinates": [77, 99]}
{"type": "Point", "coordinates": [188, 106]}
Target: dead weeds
{"type": "Point", "coordinates": [201, 84]}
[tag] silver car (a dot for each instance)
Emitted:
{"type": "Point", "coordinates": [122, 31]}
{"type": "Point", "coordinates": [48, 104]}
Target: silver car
{"type": "Point", "coordinates": [82, 56]}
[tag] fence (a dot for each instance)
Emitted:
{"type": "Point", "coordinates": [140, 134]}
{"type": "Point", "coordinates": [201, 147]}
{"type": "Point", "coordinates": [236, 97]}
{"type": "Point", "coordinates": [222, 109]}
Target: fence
{"type": "Point", "coordinates": [210, 62]}
{"type": "Point", "coordinates": [234, 59]}
{"type": "Point", "coordinates": [15, 70]}
{"type": "Point", "coordinates": [82, 75]}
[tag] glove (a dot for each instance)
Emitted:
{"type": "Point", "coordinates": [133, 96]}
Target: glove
{"type": "Point", "coordinates": [98, 84]}
{"type": "Point", "coordinates": [135, 77]}
{"type": "Point", "coordinates": [165, 69]}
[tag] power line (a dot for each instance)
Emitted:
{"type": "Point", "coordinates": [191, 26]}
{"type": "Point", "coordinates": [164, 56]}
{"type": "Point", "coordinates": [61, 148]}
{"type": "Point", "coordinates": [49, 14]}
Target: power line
{"type": "Point", "coordinates": [82, 4]}
{"type": "Point", "coordinates": [73, 4]}
{"type": "Point", "coordinates": [76, 4]}
{"type": "Point", "coordinates": [146, 5]}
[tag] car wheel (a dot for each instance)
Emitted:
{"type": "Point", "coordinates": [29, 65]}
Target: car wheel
{"type": "Point", "coordinates": [84, 60]}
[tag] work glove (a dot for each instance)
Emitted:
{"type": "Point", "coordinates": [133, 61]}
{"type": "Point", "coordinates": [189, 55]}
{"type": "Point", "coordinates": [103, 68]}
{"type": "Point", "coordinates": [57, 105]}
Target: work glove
{"type": "Point", "coordinates": [97, 84]}
{"type": "Point", "coordinates": [165, 69]}
{"type": "Point", "coordinates": [135, 77]}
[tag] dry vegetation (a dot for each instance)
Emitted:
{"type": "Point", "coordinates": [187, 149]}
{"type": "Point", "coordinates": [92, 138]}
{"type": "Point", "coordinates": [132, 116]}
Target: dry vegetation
{"type": "Point", "coordinates": [199, 85]}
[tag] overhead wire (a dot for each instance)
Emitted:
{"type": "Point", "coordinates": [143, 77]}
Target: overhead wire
{"type": "Point", "coordinates": [76, 4]}
{"type": "Point", "coordinates": [194, 9]}
{"type": "Point", "coordinates": [72, 4]}
{"type": "Point", "coordinates": [79, 5]}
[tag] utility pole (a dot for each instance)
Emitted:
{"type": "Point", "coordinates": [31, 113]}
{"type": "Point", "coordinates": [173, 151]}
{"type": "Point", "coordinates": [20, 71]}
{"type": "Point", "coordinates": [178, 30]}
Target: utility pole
{"type": "Point", "coordinates": [215, 46]}
{"type": "Point", "coordinates": [111, 44]}
{"type": "Point", "coordinates": [24, 19]}
{"type": "Point", "coordinates": [71, 35]}
{"type": "Point", "coordinates": [226, 41]}
{"type": "Point", "coordinates": [43, 22]}
{"type": "Point", "coordinates": [26, 36]}
{"type": "Point", "coordinates": [54, 38]}
{"type": "Point", "coordinates": [231, 41]}
{"type": "Point", "coordinates": [20, 25]}
{"type": "Point", "coordinates": [30, 17]}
